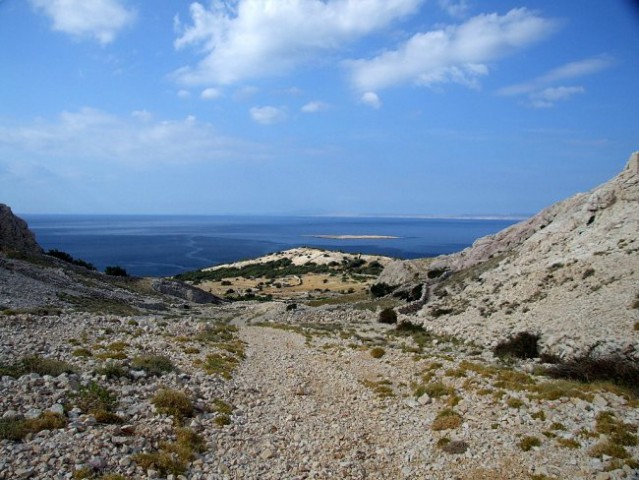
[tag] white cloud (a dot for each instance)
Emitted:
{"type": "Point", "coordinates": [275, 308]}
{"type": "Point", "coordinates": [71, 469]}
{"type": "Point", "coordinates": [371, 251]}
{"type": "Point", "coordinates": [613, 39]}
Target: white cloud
{"type": "Point", "coordinates": [314, 107]}
{"type": "Point", "coordinates": [567, 71]}
{"type": "Point", "coordinates": [101, 20]}
{"type": "Point", "coordinates": [457, 53]}
{"type": "Point", "coordinates": [244, 39]}
{"type": "Point", "coordinates": [547, 97]}
{"type": "Point", "coordinates": [268, 115]}
{"type": "Point", "coordinates": [371, 99]}
{"type": "Point", "coordinates": [183, 93]}
{"type": "Point", "coordinates": [92, 135]}
{"type": "Point", "coordinates": [455, 8]}
{"type": "Point", "coordinates": [142, 115]}
{"type": "Point", "coordinates": [210, 93]}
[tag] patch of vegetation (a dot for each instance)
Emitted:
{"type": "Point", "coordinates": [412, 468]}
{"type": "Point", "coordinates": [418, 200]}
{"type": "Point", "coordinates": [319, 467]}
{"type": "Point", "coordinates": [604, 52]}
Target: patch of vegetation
{"type": "Point", "coordinates": [173, 402]}
{"type": "Point", "coordinates": [453, 447]}
{"type": "Point", "coordinates": [64, 256]}
{"type": "Point", "coordinates": [609, 448]}
{"type": "Point", "coordinates": [618, 370]}
{"type": "Point", "coordinates": [570, 443]}
{"type": "Point", "coordinates": [172, 458]}
{"type": "Point", "coordinates": [514, 403]}
{"type": "Point", "coordinates": [383, 388]}
{"type": "Point", "coordinates": [82, 352]}
{"type": "Point", "coordinates": [217, 332]}
{"type": "Point", "coordinates": [523, 345]}
{"type": "Point", "coordinates": [16, 428]}
{"type": "Point", "coordinates": [381, 289]}
{"type": "Point", "coordinates": [377, 352]}
{"type": "Point", "coordinates": [153, 364]}
{"type": "Point", "coordinates": [446, 419]}
{"type": "Point", "coordinates": [98, 401]}
{"type": "Point", "coordinates": [116, 271]}
{"type": "Point", "coordinates": [617, 431]}
{"type": "Point", "coordinates": [222, 364]}
{"type": "Point", "coordinates": [388, 316]}
{"type": "Point", "coordinates": [112, 370]}
{"type": "Point", "coordinates": [434, 390]}
{"type": "Point", "coordinates": [528, 443]}
{"type": "Point", "coordinates": [282, 268]}
{"type": "Point", "coordinates": [36, 364]}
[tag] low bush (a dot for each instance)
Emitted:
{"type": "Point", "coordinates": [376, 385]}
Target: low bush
{"type": "Point", "coordinates": [98, 401]}
{"type": "Point", "coordinates": [116, 271]}
{"type": "Point", "coordinates": [173, 402]}
{"type": "Point", "coordinates": [454, 447]}
{"type": "Point", "coordinates": [528, 443]}
{"type": "Point", "coordinates": [172, 458]}
{"type": "Point", "coordinates": [622, 371]}
{"type": "Point", "coordinates": [447, 419]}
{"type": "Point", "coordinates": [381, 290]}
{"type": "Point", "coordinates": [377, 352]}
{"type": "Point", "coordinates": [524, 345]}
{"type": "Point", "coordinates": [153, 364]}
{"type": "Point", "coordinates": [388, 316]}
{"type": "Point", "coordinates": [16, 428]}
{"type": "Point", "coordinates": [35, 364]}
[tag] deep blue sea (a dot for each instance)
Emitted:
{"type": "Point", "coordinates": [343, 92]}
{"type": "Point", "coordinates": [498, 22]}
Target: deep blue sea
{"type": "Point", "coordinates": [167, 245]}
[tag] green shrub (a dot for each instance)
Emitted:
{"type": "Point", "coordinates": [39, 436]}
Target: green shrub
{"type": "Point", "coordinates": [35, 364]}
{"type": "Point", "coordinates": [98, 401]}
{"type": "Point", "coordinates": [16, 428]}
{"type": "Point", "coordinates": [82, 352]}
{"type": "Point", "coordinates": [388, 316]}
{"type": "Point", "coordinates": [112, 370]}
{"type": "Point", "coordinates": [524, 345]}
{"type": "Point", "coordinates": [173, 402]}
{"type": "Point", "coordinates": [377, 352]}
{"type": "Point", "coordinates": [528, 443]}
{"type": "Point", "coordinates": [447, 419]}
{"type": "Point", "coordinates": [381, 289]}
{"type": "Point", "coordinates": [116, 271]}
{"type": "Point", "coordinates": [153, 364]}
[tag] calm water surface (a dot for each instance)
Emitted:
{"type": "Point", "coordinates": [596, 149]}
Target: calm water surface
{"type": "Point", "coordinates": [167, 245]}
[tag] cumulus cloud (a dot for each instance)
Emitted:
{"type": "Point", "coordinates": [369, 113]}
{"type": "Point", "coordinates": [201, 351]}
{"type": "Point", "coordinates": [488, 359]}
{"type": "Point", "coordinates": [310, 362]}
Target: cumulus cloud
{"type": "Point", "coordinates": [139, 139]}
{"type": "Point", "coordinates": [568, 71]}
{"type": "Point", "coordinates": [371, 99]}
{"type": "Point", "coordinates": [457, 53]}
{"type": "Point", "coordinates": [244, 39]}
{"type": "Point", "coordinates": [100, 20]}
{"type": "Point", "coordinates": [183, 93]}
{"type": "Point", "coordinates": [268, 115]}
{"type": "Point", "coordinates": [314, 107]}
{"type": "Point", "coordinates": [210, 93]}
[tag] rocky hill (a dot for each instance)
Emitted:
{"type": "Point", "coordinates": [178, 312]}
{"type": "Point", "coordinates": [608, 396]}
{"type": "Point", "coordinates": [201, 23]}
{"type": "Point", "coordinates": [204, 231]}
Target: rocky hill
{"type": "Point", "coordinates": [569, 273]}
{"type": "Point", "coordinates": [15, 234]}
{"type": "Point", "coordinates": [31, 280]}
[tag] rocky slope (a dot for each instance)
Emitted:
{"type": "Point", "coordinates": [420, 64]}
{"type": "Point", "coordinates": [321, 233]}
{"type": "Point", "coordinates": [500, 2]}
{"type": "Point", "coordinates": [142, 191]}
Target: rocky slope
{"type": "Point", "coordinates": [15, 234]}
{"type": "Point", "coordinates": [569, 273]}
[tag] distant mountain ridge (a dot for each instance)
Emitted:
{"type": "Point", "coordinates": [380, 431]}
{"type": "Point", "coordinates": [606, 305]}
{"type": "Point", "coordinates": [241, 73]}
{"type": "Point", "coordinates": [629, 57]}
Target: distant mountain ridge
{"type": "Point", "coordinates": [570, 273]}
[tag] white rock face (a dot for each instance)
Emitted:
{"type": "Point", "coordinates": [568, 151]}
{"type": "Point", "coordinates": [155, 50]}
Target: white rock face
{"type": "Point", "coordinates": [570, 273]}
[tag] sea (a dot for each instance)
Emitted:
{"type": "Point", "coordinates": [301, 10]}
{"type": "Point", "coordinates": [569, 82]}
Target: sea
{"type": "Point", "coordinates": [162, 245]}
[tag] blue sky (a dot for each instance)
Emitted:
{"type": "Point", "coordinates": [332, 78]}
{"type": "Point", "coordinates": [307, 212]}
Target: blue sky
{"type": "Point", "coordinates": [361, 107]}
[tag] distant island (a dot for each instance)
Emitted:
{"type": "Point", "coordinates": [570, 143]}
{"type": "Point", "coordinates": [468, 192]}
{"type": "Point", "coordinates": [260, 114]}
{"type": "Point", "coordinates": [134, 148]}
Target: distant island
{"type": "Point", "coordinates": [357, 237]}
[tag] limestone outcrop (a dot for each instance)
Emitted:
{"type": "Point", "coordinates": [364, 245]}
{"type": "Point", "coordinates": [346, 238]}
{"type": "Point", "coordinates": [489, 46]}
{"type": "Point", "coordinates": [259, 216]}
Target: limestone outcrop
{"type": "Point", "coordinates": [569, 273]}
{"type": "Point", "coordinates": [15, 234]}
